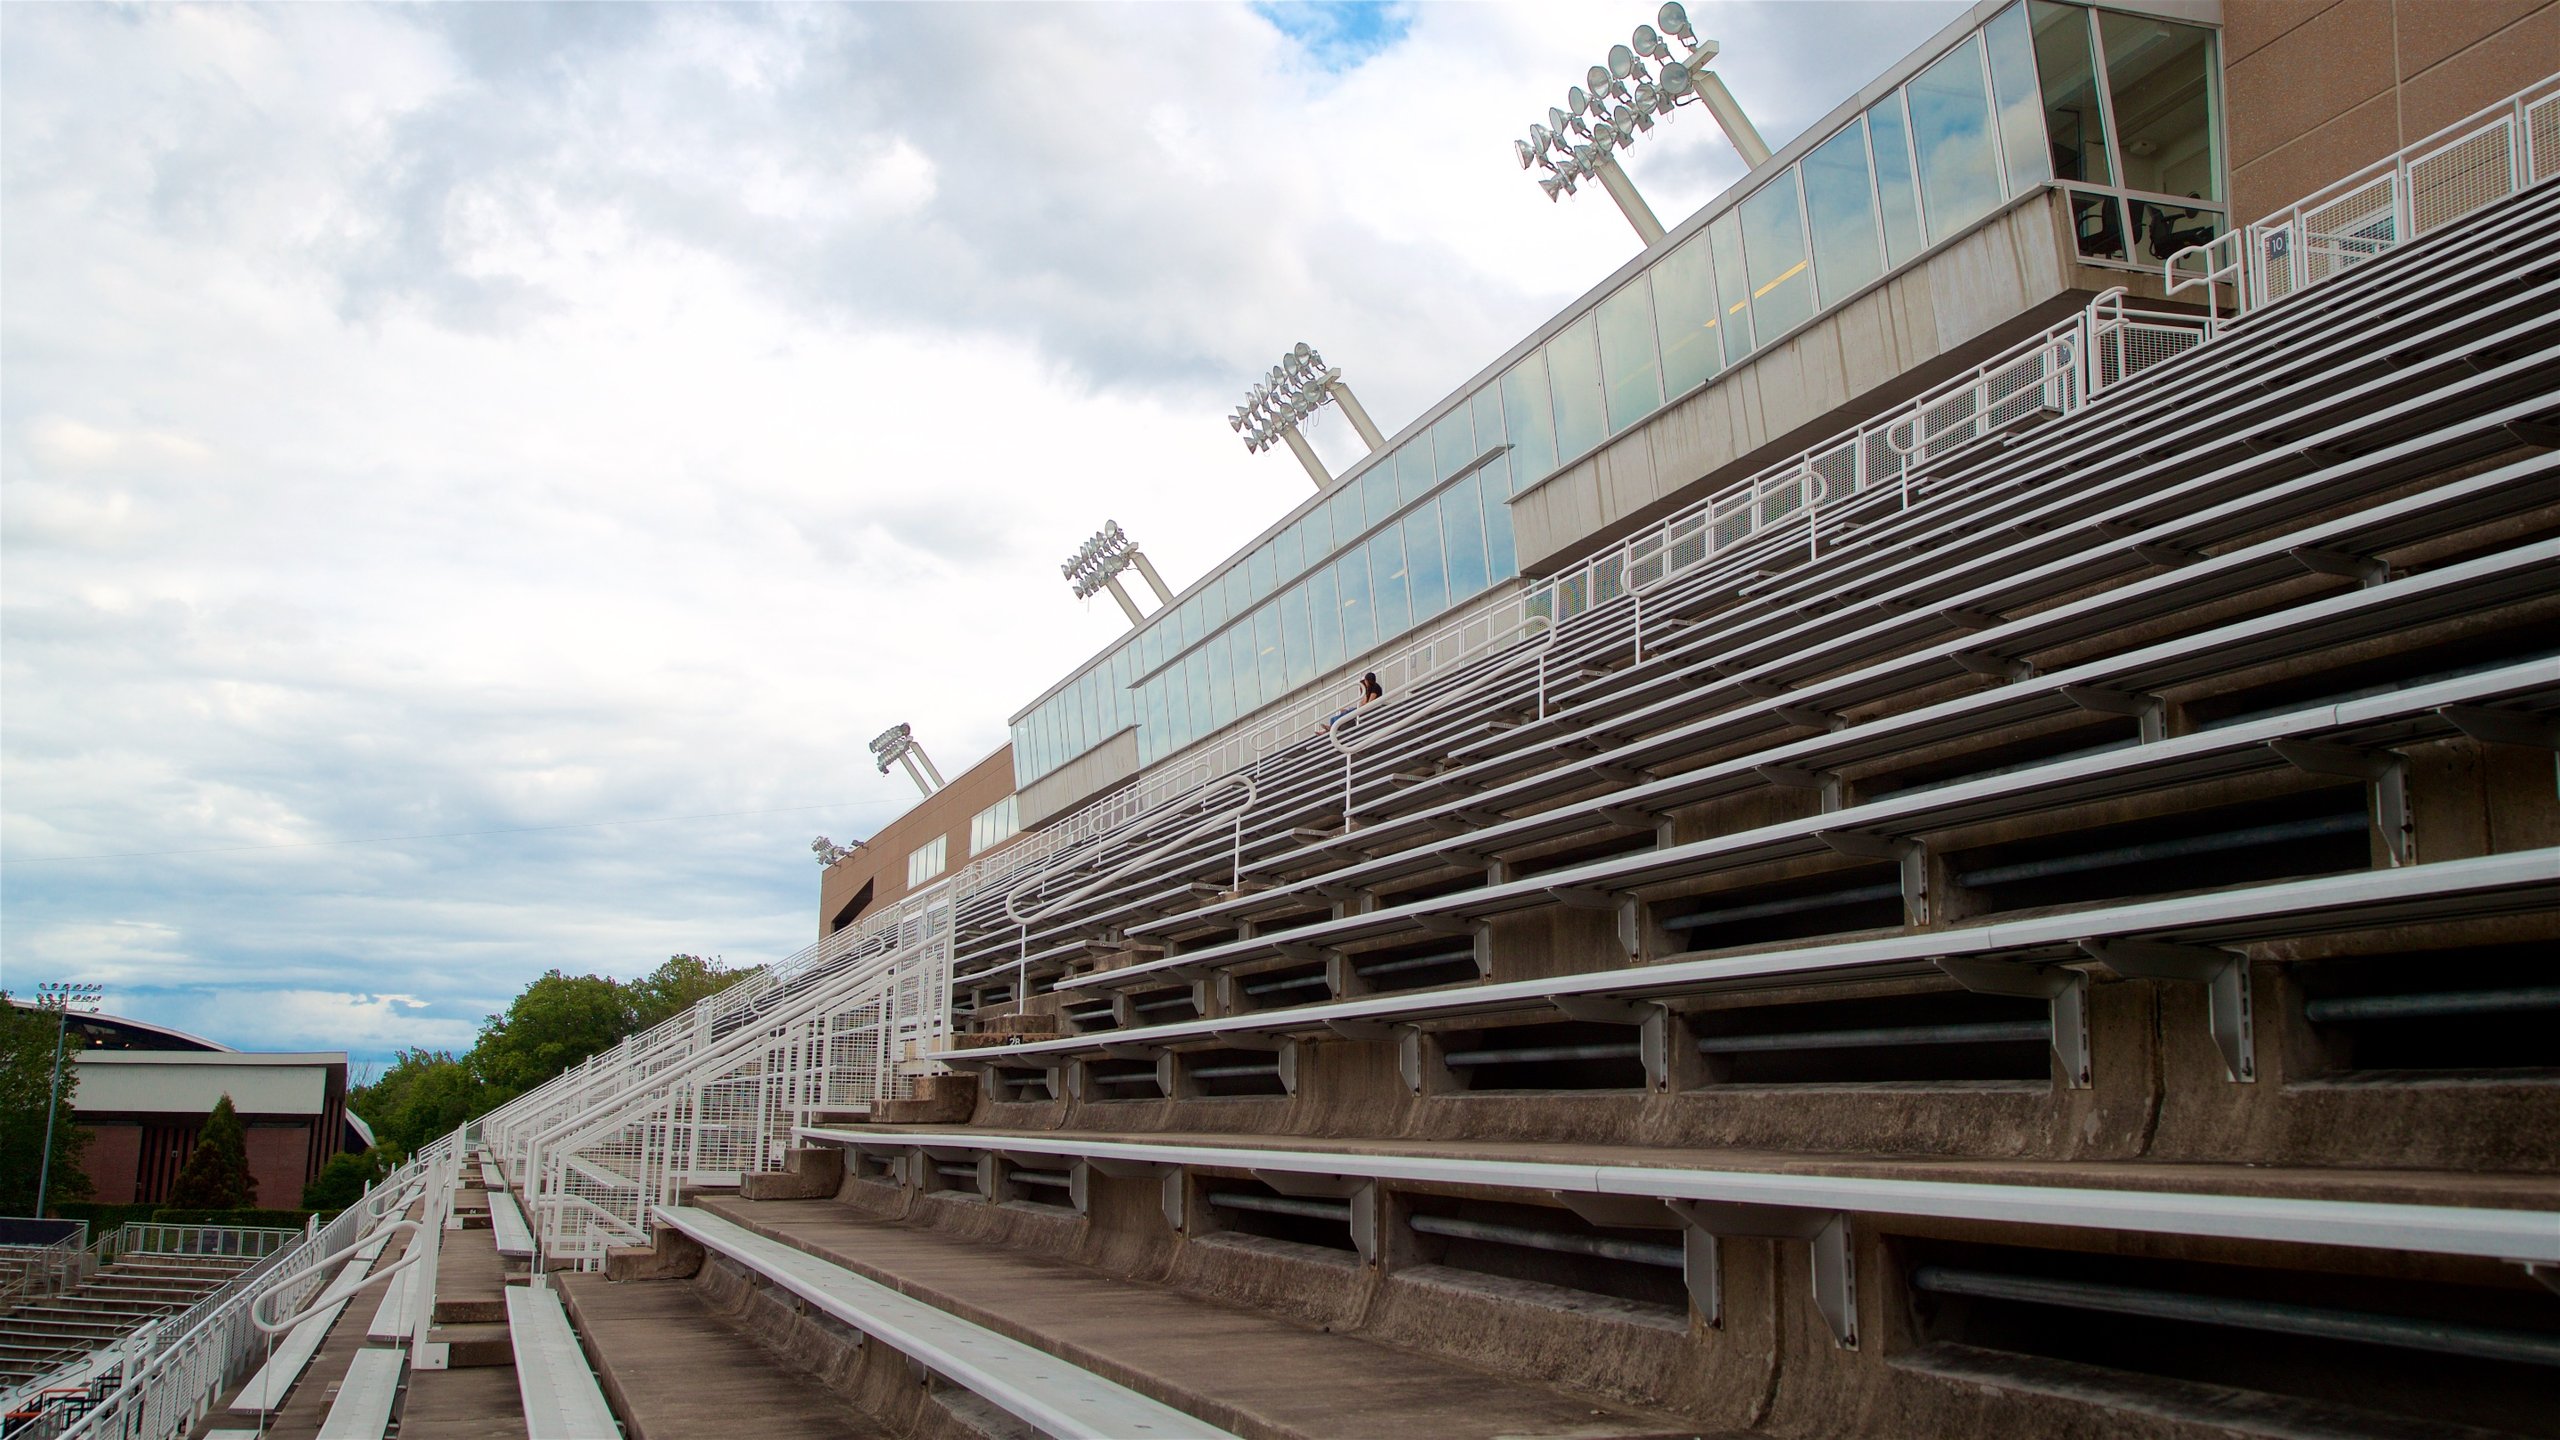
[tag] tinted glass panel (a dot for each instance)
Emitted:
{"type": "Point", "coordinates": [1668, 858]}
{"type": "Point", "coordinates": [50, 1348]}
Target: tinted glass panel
{"type": "Point", "coordinates": [1297, 641]}
{"type": "Point", "coordinates": [1724, 236]}
{"type": "Point", "coordinates": [1426, 568]}
{"type": "Point", "coordinates": [1685, 308]}
{"type": "Point", "coordinates": [1342, 515]}
{"type": "Point", "coordinates": [1528, 417]}
{"type": "Point", "coordinates": [2075, 131]}
{"type": "Point", "coordinates": [1773, 246]}
{"type": "Point", "coordinates": [1889, 141]}
{"type": "Point", "coordinates": [1453, 443]}
{"type": "Point", "coordinates": [1316, 530]}
{"type": "Point", "coordinates": [1388, 593]}
{"type": "Point", "coordinates": [1378, 490]}
{"type": "Point", "coordinates": [1951, 128]}
{"type": "Point", "coordinates": [1359, 617]}
{"type": "Point", "coordinates": [1324, 616]}
{"type": "Point", "coordinates": [1288, 554]}
{"type": "Point", "coordinates": [1573, 373]}
{"type": "Point", "coordinates": [1627, 356]}
{"type": "Point", "coordinates": [1462, 533]}
{"type": "Point", "coordinates": [1839, 197]}
{"type": "Point", "coordinates": [2160, 86]}
{"type": "Point", "coordinates": [2013, 87]}
{"type": "Point", "coordinates": [1270, 658]}
{"type": "Point", "coordinates": [1413, 471]}
{"type": "Point", "coordinates": [1258, 576]}
{"type": "Point", "coordinates": [1487, 406]}
{"type": "Point", "coordinates": [1241, 673]}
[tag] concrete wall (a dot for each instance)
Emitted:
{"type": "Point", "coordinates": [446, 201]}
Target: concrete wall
{"type": "Point", "coordinates": [882, 862]}
{"type": "Point", "coordinates": [2015, 273]}
{"type": "Point", "coordinates": [2389, 73]}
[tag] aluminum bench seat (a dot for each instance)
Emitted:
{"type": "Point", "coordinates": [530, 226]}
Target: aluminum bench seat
{"type": "Point", "coordinates": [275, 1379]}
{"type": "Point", "coordinates": [562, 1400]}
{"type": "Point", "coordinates": [2519, 883]}
{"type": "Point", "coordinates": [507, 1220]}
{"type": "Point", "coordinates": [1047, 1393]}
{"type": "Point", "coordinates": [362, 1409]}
{"type": "Point", "coordinates": [2235, 750]}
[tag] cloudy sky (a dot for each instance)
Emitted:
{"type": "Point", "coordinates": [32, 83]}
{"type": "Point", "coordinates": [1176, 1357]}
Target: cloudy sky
{"type": "Point", "coordinates": [473, 476]}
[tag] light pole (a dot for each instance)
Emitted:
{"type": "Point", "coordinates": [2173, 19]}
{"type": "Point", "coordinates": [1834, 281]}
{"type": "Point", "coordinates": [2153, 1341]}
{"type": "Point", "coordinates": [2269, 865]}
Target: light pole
{"type": "Point", "coordinates": [62, 995]}
{"type": "Point", "coordinates": [1294, 389]}
{"type": "Point", "coordinates": [1097, 564]}
{"type": "Point", "coordinates": [1578, 141]}
{"type": "Point", "coordinates": [897, 745]}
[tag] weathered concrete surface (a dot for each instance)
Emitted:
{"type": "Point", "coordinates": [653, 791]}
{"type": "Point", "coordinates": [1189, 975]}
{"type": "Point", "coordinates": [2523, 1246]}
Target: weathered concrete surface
{"type": "Point", "coordinates": [675, 1368]}
{"type": "Point", "coordinates": [481, 1403]}
{"type": "Point", "coordinates": [674, 1256]}
{"type": "Point", "coordinates": [471, 1279]}
{"type": "Point", "coordinates": [806, 1175]}
{"type": "Point", "coordinates": [1243, 1370]}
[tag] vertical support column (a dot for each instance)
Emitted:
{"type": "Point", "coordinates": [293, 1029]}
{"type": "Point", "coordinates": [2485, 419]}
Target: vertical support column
{"type": "Point", "coordinates": [1128, 606]}
{"type": "Point", "coordinates": [1351, 410]}
{"type": "Point", "coordinates": [1306, 454]}
{"type": "Point", "coordinates": [1155, 581]}
{"type": "Point", "coordinates": [1630, 204]}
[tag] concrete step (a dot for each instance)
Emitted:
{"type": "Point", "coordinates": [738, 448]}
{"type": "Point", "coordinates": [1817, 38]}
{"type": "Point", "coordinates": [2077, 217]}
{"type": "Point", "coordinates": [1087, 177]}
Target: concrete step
{"type": "Point", "coordinates": [675, 1365]}
{"type": "Point", "coordinates": [1243, 1370]}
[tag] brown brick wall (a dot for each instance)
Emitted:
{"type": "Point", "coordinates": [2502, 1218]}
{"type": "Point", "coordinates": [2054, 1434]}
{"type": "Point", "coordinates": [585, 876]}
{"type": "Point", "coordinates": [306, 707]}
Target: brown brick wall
{"type": "Point", "coordinates": [882, 863]}
{"type": "Point", "coordinates": [2316, 89]}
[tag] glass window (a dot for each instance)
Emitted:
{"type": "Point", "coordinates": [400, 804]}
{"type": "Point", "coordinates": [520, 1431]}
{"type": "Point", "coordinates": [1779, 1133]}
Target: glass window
{"type": "Point", "coordinates": [2075, 131]}
{"type": "Point", "coordinates": [1195, 679]}
{"type": "Point", "coordinates": [1499, 559]}
{"type": "Point", "coordinates": [1288, 553]}
{"type": "Point", "coordinates": [1258, 576]}
{"type": "Point", "coordinates": [1685, 310]}
{"type": "Point", "coordinates": [1413, 470]}
{"type": "Point", "coordinates": [1573, 372]}
{"type": "Point", "coordinates": [1222, 680]}
{"type": "Point", "coordinates": [926, 860]}
{"type": "Point", "coordinates": [1342, 515]}
{"type": "Point", "coordinates": [2160, 86]}
{"type": "Point", "coordinates": [1239, 592]}
{"type": "Point", "coordinates": [1487, 406]}
{"type": "Point", "coordinates": [1627, 356]}
{"type": "Point", "coordinates": [1324, 615]}
{"type": "Point", "coordinates": [1378, 490]}
{"type": "Point", "coordinates": [1528, 418]}
{"type": "Point", "coordinates": [1724, 235]}
{"type": "Point", "coordinates": [2021, 106]}
{"type": "Point", "coordinates": [1153, 738]}
{"type": "Point", "coordinates": [1453, 443]}
{"type": "Point", "coordinates": [1317, 527]}
{"type": "Point", "coordinates": [1359, 617]}
{"type": "Point", "coordinates": [1840, 200]}
{"type": "Point", "coordinates": [1425, 566]}
{"type": "Point", "coordinates": [1390, 598]}
{"type": "Point", "coordinates": [1773, 246]}
{"type": "Point", "coordinates": [1186, 618]}
{"type": "Point", "coordinates": [1245, 665]}
{"type": "Point", "coordinates": [1889, 141]}
{"type": "Point", "coordinates": [1270, 660]}
{"type": "Point", "coordinates": [1297, 642]}
{"type": "Point", "coordinates": [1951, 125]}
{"type": "Point", "coordinates": [993, 826]}
{"type": "Point", "coordinates": [1462, 531]}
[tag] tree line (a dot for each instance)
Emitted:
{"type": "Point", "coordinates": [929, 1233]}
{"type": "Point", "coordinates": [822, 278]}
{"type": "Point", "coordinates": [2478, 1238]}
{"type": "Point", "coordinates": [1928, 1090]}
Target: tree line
{"type": "Point", "coordinates": [557, 1021]}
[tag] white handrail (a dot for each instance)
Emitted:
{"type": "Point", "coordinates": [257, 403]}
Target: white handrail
{"type": "Point", "coordinates": [332, 1294]}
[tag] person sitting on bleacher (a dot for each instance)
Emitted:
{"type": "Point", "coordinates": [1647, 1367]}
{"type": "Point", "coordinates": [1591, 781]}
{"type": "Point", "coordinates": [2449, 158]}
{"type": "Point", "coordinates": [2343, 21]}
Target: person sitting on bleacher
{"type": "Point", "coordinates": [1369, 690]}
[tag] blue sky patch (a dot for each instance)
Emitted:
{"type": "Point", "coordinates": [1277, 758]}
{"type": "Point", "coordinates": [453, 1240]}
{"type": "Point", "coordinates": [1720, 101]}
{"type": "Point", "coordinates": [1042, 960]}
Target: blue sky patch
{"type": "Point", "coordinates": [1339, 34]}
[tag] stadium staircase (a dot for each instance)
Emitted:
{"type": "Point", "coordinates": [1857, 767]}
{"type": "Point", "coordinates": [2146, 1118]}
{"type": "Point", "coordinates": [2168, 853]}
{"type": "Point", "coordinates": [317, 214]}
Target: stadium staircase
{"type": "Point", "coordinates": [2049, 935]}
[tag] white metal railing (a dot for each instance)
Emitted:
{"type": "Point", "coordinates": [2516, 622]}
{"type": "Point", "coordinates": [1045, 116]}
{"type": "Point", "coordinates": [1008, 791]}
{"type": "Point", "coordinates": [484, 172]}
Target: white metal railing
{"type": "Point", "coordinates": [2458, 171]}
{"type": "Point", "coordinates": [156, 1237]}
{"type": "Point", "coordinates": [164, 1386]}
{"type": "Point", "coordinates": [45, 1269]}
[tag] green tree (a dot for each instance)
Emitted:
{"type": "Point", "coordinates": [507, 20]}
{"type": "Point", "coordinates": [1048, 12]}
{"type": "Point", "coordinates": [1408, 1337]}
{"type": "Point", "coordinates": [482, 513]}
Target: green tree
{"type": "Point", "coordinates": [677, 986]}
{"type": "Point", "coordinates": [558, 1021]}
{"type": "Point", "coordinates": [425, 1094]}
{"type": "Point", "coordinates": [27, 1036]}
{"type": "Point", "coordinates": [343, 1180]}
{"type": "Point", "coordinates": [217, 1176]}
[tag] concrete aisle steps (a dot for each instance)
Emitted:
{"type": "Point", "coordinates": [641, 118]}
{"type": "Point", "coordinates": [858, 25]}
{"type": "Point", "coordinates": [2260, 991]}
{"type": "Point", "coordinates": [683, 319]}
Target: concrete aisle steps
{"type": "Point", "coordinates": [677, 1366]}
{"type": "Point", "coordinates": [1248, 1372]}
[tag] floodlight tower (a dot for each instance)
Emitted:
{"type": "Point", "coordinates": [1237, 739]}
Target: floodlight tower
{"type": "Point", "coordinates": [1097, 564]}
{"type": "Point", "coordinates": [1294, 389]}
{"type": "Point", "coordinates": [1578, 140]}
{"type": "Point", "coordinates": [897, 745]}
{"type": "Point", "coordinates": [62, 997]}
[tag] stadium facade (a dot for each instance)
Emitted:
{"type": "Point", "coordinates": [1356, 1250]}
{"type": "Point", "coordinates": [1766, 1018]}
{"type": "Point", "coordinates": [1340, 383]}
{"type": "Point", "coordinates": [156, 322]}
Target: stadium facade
{"type": "Point", "coordinates": [1964, 840]}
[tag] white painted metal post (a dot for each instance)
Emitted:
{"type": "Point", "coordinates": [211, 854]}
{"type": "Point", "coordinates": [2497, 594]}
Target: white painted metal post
{"type": "Point", "coordinates": [1306, 454]}
{"type": "Point", "coordinates": [1630, 204]}
{"type": "Point", "coordinates": [1359, 418]}
{"type": "Point", "coordinates": [1728, 112]}
{"type": "Point", "coordinates": [1128, 606]}
{"type": "Point", "coordinates": [1155, 581]}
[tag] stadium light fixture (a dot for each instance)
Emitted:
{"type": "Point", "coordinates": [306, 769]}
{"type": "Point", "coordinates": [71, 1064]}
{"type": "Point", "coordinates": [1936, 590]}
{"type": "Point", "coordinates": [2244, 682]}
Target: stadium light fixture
{"type": "Point", "coordinates": [897, 746]}
{"type": "Point", "coordinates": [1097, 563]}
{"type": "Point", "coordinates": [1293, 390]}
{"type": "Point", "coordinates": [62, 997]}
{"type": "Point", "coordinates": [830, 854]}
{"type": "Point", "coordinates": [1619, 100]}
